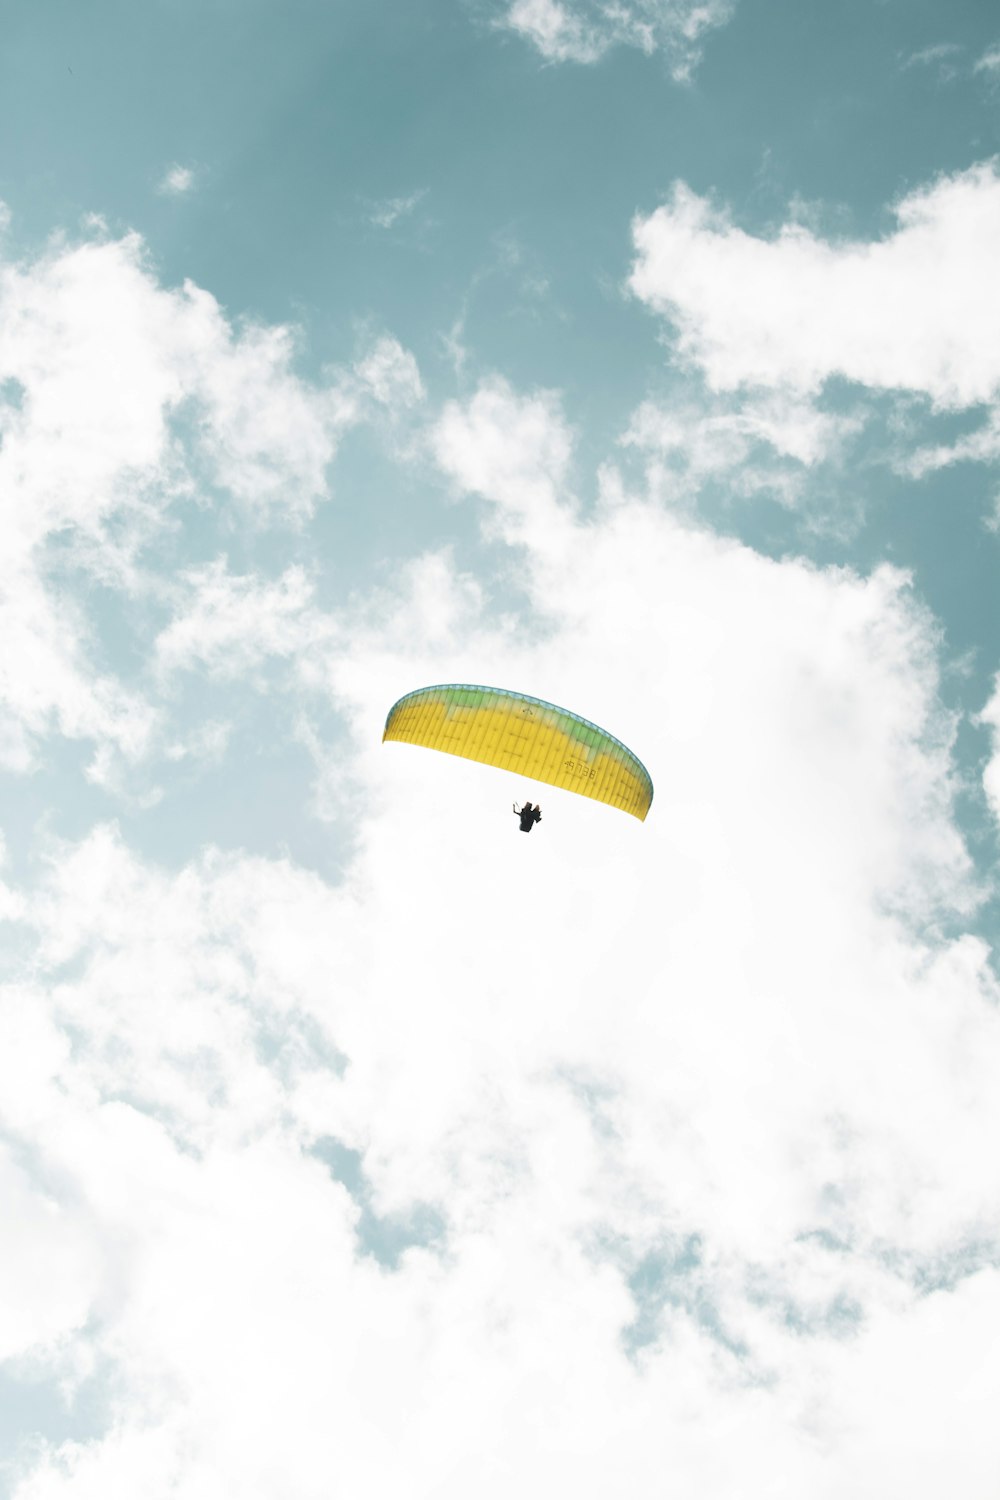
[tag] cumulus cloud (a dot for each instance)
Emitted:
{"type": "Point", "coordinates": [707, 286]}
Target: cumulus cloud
{"type": "Point", "coordinates": [582, 31]}
{"type": "Point", "coordinates": [918, 310]}
{"type": "Point", "coordinates": [989, 63]}
{"type": "Point", "coordinates": [269, 436]}
{"type": "Point", "coordinates": [119, 399]}
{"type": "Point", "coordinates": [48, 1260]}
{"type": "Point", "coordinates": [708, 1162]}
{"type": "Point", "coordinates": [343, 1177]}
{"type": "Point", "coordinates": [517, 450]}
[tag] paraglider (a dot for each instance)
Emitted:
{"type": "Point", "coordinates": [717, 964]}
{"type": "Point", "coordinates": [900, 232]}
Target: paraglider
{"type": "Point", "coordinates": [525, 735]}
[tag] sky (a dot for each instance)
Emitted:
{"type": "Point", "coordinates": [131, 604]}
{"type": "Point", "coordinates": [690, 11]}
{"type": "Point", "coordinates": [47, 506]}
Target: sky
{"type": "Point", "coordinates": [643, 357]}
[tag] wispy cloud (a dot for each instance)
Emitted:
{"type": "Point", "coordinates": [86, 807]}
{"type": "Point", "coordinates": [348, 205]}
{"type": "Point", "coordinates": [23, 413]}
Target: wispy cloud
{"type": "Point", "coordinates": [177, 181]}
{"type": "Point", "coordinates": [388, 211]}
{"type": "Point", "coordinates": [767, 443]}
{"type": "Point", "coordinates": [941, 57]}
{"type": "Point", "coordinates": [227, 625]}
{"type": "Point", "coordinates": [389, 374]}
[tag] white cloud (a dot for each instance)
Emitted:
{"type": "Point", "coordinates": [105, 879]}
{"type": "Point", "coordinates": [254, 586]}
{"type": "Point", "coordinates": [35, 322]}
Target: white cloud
{"type": "Point", "coordinates": [269, 435]}
{"type": "Point", "coordinates": [557, 32]}
{"type": "Point", "coordinates": [918, 310]}
{"type": "Point", "coordinates": [208, 743]}
{"type": "Point", "coordinates": [176, 181]}
{"type": "Point", "coordinates": [12, 904]}
{"type": "Point", "coordinates": [49, 1264]}
{"type": "Point", "coordinates": [388, 211]}
{"type": "Point", "coordinates": [390, 374]}
{"type": "Point", "coordinates": [118, 398]}
{"type": "Point", "coordinates": [765, 443]}
{"type": "Point", "coordinates": [583, 31]}
{"type": "Point", "coordinates": [105, 357]}
{"type": "Point", "coordinates": [48, 682]}
{"type": "Point", "coordinates": [990, 716]}
{"type": "Point", "coordinates": [941, 57]}
{"type": "Point", "coordinates": [229, 624]}
{"type": "Point", "coordinates": [700, 1045]}
{"type": "Point", "coordinates": [513, 450]}
{"type": "Point", "coordinates": [516, 451]}
{"type": "Point", "coordinates": [989, 62]}
{"type": "Point", "coordinates": [694, 1109]}
{"type": "Point", "coordinates": [981, 446]}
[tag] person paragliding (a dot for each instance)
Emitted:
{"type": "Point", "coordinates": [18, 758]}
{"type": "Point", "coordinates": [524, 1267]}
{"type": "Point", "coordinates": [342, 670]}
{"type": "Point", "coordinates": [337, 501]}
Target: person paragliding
{"type": "Point", "coordinates": [526, 737]}
{"type": "Point", "coordinates": [529, 816]}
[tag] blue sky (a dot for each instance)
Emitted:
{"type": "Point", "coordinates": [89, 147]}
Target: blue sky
{"type": "Point", "coordinates": [642, 357]}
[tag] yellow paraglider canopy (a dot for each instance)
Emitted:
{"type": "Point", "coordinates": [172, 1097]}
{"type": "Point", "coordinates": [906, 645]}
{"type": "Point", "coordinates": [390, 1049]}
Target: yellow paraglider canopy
{"type": "Point", "coordinates": [525, 735]}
